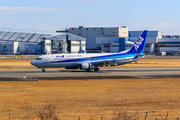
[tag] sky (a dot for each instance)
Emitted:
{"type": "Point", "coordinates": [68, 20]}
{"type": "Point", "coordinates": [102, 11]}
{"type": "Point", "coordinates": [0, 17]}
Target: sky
{"type": "Point", "coordinates": [52, 15]}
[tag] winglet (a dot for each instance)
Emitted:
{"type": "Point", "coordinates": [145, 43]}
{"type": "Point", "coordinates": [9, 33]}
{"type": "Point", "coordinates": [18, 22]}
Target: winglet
{"type": "Point", "coordinates": [139, 45]}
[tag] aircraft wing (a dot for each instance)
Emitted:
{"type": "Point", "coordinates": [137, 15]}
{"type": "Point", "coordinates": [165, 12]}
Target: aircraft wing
{"type": "Point", "coordinates": [112, 62]}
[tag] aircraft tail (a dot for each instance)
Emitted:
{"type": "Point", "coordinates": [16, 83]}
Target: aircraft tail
{"type": "Point", "coordinates": [139, 44]}
{"type": "Point", "coordinates": [137, 55]}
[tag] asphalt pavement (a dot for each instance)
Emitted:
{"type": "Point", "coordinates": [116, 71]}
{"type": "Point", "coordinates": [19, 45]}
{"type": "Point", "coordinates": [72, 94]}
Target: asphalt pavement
{"type": "Point", "coordinates": [107, 73]}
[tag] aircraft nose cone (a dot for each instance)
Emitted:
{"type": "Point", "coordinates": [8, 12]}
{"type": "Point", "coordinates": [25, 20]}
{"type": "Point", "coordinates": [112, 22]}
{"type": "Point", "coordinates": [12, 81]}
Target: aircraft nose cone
{"type": "Point", "coordinates": [32, 62]}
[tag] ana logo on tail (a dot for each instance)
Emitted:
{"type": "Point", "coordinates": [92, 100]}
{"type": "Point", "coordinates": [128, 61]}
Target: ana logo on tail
{"type": "Point", "coordinates": [138, 43]}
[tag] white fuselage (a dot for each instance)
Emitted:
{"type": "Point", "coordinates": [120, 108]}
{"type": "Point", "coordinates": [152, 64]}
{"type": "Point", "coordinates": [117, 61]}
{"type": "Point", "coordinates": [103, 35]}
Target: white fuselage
{"type": "Point", "coordinates": [74, 60]}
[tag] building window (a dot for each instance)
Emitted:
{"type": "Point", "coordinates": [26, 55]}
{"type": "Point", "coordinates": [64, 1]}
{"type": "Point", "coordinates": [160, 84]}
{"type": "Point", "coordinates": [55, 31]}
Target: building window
{"type": "Point", "coordinates": [48, 44]}
{"type": "Point", "coordinates": [115, 46]}
{"type": "Point", "coordinates": [101, 28]}
{"type": "Point", "coordinates": [74, 44]}
{"type": "Point", "coordinates": [94, 28]}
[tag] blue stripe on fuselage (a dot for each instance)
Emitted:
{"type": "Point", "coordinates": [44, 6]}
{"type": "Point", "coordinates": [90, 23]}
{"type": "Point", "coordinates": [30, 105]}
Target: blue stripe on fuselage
{"type": "Point", "coordinates": [97, 58]}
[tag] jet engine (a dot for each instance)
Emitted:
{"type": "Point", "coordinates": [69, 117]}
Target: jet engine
{"type": "Point", "coordinates": [86, 66]}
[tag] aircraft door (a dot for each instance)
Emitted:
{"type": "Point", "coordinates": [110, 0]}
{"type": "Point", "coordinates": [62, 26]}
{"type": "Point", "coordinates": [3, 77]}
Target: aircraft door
{"type": "Point", "coordinates": [48, 58]}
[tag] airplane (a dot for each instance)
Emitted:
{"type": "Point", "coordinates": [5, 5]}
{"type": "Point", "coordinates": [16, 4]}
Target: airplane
{"type": "Point", "coordinates": [92, 61]}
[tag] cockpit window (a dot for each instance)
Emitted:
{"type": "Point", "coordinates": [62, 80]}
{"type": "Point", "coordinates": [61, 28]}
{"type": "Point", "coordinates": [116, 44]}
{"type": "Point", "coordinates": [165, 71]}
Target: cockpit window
{"type": "Point", "coordinates": [38, 58]}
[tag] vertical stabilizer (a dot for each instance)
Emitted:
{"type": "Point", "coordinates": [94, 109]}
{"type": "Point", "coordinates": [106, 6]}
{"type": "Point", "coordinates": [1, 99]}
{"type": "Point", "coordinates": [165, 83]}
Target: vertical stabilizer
{"type": "Point", "coordinates": [139, 44]}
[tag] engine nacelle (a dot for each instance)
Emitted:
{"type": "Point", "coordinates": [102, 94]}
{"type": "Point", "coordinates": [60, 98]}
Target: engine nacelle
{"type": "Point", "coordinates": [86, 66]}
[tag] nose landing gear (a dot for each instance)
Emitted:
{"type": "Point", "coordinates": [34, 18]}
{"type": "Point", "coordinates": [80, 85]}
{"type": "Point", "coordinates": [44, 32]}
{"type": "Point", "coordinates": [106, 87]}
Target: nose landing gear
{"type": "Point", "coordinates": [43, 70]}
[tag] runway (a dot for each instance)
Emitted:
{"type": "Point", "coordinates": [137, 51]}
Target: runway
{"type": "Point", "coordinates": [107, 73]}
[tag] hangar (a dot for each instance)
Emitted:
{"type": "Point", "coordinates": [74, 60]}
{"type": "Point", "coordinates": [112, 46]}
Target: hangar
{"type": "Point", "coordinates": [31, 42]}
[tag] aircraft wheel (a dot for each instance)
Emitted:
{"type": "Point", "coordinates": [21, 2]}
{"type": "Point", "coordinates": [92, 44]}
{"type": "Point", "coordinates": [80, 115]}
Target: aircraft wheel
{"type": "Point", "coordinates": [96, 69]}
{"type": "Point", "coordinates": [43, 70]}
{"type": "Point", "coordinates": [87, 70]}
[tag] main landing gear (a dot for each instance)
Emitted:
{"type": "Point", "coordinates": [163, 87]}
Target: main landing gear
{"type": "Point", "coordinates": [43, 70]}
{"type": "Point", "coordinates": [96, 69]}
{"type": "Point", "coordinates": [88, 70]}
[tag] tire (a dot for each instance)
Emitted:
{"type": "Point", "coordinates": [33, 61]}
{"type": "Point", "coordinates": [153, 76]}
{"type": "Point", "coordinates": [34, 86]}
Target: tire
{"type": "Point", "coordinates": [43, 70]}
{"type": "Point", "coordinates": [87, 70]}
{"type": "Point", "coordinates": [96, 69]}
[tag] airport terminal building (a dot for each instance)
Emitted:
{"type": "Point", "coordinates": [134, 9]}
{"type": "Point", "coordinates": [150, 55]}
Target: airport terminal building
{"type": "Point", "coordinates": [116, 39]}
{"type": "Point", "coordinates": [88, 39]}
{"type": "Point", "coordinates": [30, 42]}
{"type": "Point", "coordinates": [158, 43]}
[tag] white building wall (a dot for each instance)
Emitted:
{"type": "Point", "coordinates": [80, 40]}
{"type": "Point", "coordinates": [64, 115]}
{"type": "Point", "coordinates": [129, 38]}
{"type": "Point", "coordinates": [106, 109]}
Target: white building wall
{"type": "Point", "coordinates": [16, 47]}
{"type": "Point", "coordinates": [83, 45]}
{"type": "Point", "coordinates": [152, 48]}
{"type": "Point", "coordinates": [47, 46]}
{"type": "Point", "coordinates": [74, 49]}
{"type": "Point", "coordinates": [160, 34]}
{"type": "Point", "coordinates": [123, 32]}
{"type": "Point", "coordinates": [75, 46]}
